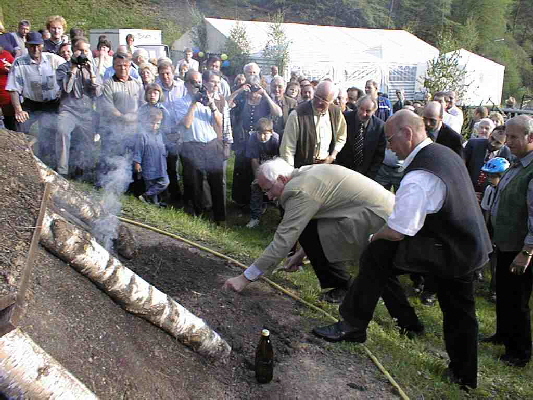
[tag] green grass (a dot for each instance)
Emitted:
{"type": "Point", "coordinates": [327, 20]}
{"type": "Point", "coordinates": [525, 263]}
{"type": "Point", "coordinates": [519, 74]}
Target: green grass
{"type": "Point", "coordinates": [416, 365]}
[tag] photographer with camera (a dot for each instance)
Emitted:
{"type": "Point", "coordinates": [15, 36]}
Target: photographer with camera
{"type": "Point", "coordinates": [249, 104]}
{"type": "Point", "coordinates": [79, 85]}
{"type": "Point", "coordinates": [200, 122]}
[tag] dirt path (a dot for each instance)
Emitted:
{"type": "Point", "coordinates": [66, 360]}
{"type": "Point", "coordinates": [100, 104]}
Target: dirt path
{"type": "Point", "coordinates": [120, 356]}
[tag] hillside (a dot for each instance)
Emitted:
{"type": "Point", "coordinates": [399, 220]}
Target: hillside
{"type": "Point", "coordinates": [501, 30]}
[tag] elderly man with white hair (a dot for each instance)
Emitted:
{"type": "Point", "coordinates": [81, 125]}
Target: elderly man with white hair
{"type": "Point", "coordinates": [251, 69]}
{"type": "Point", "coordinates": [277, 90]}
{"type": "Point", "coordinates": [512, 220]}
{"type": "Point", "coordinates": [330, 210]}
{"type": "Point", "coordinates": [316, 131]}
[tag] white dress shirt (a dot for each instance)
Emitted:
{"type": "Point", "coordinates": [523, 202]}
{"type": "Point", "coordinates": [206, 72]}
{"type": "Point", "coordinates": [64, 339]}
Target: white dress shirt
{"type": "Point", "coordinates": [420, 193]}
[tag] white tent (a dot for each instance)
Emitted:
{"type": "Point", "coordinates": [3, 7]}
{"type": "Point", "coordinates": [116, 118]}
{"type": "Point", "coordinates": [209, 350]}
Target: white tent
{"type": "Point", "coordinates": [485, 78]}
{"type": "Point", "coordinates": [349, 56]}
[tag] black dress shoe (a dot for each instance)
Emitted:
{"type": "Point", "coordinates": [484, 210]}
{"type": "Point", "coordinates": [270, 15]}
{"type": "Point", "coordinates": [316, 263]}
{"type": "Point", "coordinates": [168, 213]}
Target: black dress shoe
{"type": "Point", "coordinates": [494, 339]}
{"type": "Point", "coordinates": [450, 375]}
{"type": "Point", "coordinates": [514, 361]}
{"type": "Point", "coordinates": [341, 331]}
{"type": "Point", "coordinates": [335, 296]}
{"type": "Point", "coordinates": [428, 298]}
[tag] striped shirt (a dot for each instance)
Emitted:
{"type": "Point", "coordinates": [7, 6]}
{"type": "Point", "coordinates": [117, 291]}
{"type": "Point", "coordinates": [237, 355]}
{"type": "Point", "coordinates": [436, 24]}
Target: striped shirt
{"type": "Point", "coordinates": [35, 81]}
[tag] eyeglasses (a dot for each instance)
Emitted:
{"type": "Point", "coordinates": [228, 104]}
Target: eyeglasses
{"type": "Point", "coordinates": [320, 99]}
{"type": "Point", "coordinates": [389, 139]}
{"type": "Point", "coordinates": [266, 191]}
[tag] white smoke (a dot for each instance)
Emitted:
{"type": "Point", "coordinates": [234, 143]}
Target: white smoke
{"type": "Point", "coordinates": [114, 184]}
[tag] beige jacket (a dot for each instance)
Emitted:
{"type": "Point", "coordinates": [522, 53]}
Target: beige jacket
{"type": "Point", "coordinates": [348, 207]}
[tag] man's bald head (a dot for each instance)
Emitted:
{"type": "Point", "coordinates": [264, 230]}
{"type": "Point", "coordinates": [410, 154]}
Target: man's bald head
{"type": "Point", "coordinates": [324, 95]}
{"type": "Point", "coordinates": [433, 113]}
{"type": "Point", "coordinates": [404, 131]}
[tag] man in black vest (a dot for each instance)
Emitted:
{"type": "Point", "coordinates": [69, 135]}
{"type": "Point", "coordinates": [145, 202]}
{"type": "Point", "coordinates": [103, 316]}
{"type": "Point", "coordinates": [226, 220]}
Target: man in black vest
{"type": "Point", "coordinates": [512, 219]}
{"type": "Point", "coordinates": [316, 131]}
{"type": "Point", "coordinates": [365, 145]}
{"type": "Point", "coordinates": [436, 228]}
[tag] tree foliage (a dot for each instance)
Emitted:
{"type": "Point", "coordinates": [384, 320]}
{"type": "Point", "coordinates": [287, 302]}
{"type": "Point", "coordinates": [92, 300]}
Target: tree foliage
{"type": "Point", "coordinates": [277, 45]}
{"type": "Point", "coordinates": [237, 48]}
{"type": "Point", "coordinates": [446, 73]}
{"type": "Point", "coordinates": [199, 29]}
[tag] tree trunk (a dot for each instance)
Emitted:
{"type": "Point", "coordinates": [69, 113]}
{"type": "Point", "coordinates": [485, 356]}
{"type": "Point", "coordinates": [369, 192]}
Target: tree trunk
{"type": "Point", "coordinates": [78, 248]}
{"type": "Point", "coordinates": [28, 372]}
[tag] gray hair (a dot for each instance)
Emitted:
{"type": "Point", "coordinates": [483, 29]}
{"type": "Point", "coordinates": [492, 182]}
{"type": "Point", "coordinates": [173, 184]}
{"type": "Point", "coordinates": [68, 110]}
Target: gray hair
{"type": "Point", "coordinates": [141, 52]}
{"type": "Point", "coordinates": [277, 79]}
{"type": "Point", "coordinates": [271, 169]}
{"type": "Point", "coordinates": [251, 65]}
{"type": "Point", "coordinates": [364, 98]}
{"type": "Point", "coordinates": [525, 122]}
{"type": "Point", "coordinates": [487, 121]}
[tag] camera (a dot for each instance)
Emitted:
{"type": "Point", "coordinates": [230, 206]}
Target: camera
{"type": "Point", "coordinates": [254, 88]}
{"type": "Point", "coordinates": [201, 96]}
{"type": "Point", "coordinates": [80, 60]}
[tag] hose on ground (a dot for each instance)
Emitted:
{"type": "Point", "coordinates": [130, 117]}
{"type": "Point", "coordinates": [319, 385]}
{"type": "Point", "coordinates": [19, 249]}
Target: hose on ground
{"type": "Point", "coordinates": [276, 286]}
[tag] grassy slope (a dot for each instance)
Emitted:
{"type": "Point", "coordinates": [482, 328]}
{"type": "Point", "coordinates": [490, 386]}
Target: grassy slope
{"type": "Point", "coordinates": [416, 364]}
{"type": "Point", "coordinates": [92, 14]}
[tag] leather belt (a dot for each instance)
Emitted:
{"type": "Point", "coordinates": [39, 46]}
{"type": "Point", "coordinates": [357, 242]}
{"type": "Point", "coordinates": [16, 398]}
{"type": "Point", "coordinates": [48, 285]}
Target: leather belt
{"type": "Point", "coordinates": [317, 161]}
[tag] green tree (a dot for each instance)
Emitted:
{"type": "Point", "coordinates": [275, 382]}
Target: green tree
{"type": "Point", "coordinates": [199, 29]}
{"type": "Point", "coordinates": [237, 48]}
{"type": "Point", "coordinates": [277, 45]}
{"type": "Point", "coordinates": [446, 73]}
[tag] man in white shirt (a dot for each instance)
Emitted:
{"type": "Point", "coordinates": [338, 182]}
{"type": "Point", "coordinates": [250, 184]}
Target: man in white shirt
{"type": "Point", "coordinates": [454, 111]}
{"type": "Point", "coordinates": [436, 227]}
{"type": "Point", "coordinates": [187, 59]}
{"type": "Point", "coordinates": [33, 77]}
{"type": "Point", "coordinates": [453, 121]}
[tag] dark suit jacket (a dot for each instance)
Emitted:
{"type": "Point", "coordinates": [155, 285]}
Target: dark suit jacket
{"type": "Point", "coordinates": [449, 138]}
{"type": "Point", "coordinates": [474, 155]}
{"type": "Point", "coordinates": [374, 145]}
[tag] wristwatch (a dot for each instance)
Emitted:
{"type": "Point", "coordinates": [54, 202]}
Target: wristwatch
{"type": "Point", "coordinates": [527, 253]}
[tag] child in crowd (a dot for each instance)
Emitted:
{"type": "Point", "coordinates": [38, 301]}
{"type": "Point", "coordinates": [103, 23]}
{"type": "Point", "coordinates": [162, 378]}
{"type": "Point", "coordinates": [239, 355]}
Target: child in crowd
{"type": "Point", "coordinates": [150, 156]}
{"type": "Point", "coordinates": [262, 145]}
{"type": "Point", "coordinates": [154, 98]}
{"type": "Point", "coordinates": [494, 169]}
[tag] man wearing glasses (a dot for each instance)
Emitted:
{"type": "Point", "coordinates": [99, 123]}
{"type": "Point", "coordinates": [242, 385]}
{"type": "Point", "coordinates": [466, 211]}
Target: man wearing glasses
{"type": "Point", "coordinates": [436, 228]}
{"type": "Point", "coordinates": [329, 210]}
{"type": "Point", "coordinates": [316, 131]}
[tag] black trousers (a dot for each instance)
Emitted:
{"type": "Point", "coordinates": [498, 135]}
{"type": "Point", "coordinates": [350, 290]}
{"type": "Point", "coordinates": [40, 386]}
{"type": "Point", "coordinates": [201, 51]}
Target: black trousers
{"type": "Point", "coordinates": [378, 277]}
{"type": "Point", "coordinates": [199, 160]}
{"type": "Point", "coordinates": [242, 178]}
{"type": "Point", "coordinates": [330, 275]}
{"type": "Point", "coordinates": [513, 318]}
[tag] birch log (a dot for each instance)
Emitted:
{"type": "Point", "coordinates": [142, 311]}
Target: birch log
{"type": "Point", "coordinates": [28, 372]}
{"type": "Point", "coordinates": [66, 195]}
{"type": "Point", "coordinates": [82, 251]}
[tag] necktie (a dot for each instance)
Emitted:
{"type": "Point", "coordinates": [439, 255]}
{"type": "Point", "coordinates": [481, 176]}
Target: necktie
{"type": "Point", "coordinates": [358, 147]}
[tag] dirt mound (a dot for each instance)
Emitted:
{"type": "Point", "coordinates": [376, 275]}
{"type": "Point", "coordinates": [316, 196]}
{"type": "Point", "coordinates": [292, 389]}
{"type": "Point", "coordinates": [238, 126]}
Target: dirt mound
{"type": "Point", "coordinates": [120, 356]}
{"type": "Point", "coordinates": [20, 197]}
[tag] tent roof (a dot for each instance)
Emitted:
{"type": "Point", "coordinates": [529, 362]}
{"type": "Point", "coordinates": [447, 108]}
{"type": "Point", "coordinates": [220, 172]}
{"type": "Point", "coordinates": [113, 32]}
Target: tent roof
{"type": "Point", "coordinates": [335, 43]}
{"type": "Point", "coordinates": [474, 61]}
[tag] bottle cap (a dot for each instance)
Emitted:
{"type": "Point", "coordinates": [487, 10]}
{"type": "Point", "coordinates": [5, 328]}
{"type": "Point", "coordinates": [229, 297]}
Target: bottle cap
{"type": "Point", "coordinates": [265, 332]}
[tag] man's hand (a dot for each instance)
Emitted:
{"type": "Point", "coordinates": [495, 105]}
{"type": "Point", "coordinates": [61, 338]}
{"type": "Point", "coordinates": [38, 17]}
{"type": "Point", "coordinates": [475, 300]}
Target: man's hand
{"type": "Point", "coordinates": [329, 160]}
{"type": "Point", "coordinates": [129, 117]}
{"type": "Point", "coordinates": [21, 116]}
{"type": "Point", "coordinates": [519, 264]}
{"type": "Point", "coordinates": [294, 263]}
{"type": "Point", "coordinates": [236, 284]}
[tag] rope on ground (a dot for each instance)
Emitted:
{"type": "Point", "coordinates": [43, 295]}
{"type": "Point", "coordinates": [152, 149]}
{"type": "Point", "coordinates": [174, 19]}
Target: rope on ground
{"type": "Point", "coordinates": [275, 285]}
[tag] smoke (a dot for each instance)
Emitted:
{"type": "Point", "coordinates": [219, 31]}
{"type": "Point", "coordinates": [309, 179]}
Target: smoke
{"type": "Point", "coordinates": [114, 184]}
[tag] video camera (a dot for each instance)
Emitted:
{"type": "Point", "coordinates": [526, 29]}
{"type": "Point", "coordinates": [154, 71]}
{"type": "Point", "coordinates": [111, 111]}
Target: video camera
{"type": "Point", "coordinates": [80, 60]}
{"type": "Point", "coordinates": [201, 96]}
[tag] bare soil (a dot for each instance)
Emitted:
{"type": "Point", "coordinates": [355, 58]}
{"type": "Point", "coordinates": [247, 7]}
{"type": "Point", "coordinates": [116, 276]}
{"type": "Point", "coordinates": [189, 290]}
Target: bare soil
{"type": "Point", "coordinates": [120, 356]}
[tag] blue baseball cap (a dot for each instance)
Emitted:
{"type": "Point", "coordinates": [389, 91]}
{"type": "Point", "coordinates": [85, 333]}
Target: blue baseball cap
{"type": "Point", "coordinates": [34, 38]}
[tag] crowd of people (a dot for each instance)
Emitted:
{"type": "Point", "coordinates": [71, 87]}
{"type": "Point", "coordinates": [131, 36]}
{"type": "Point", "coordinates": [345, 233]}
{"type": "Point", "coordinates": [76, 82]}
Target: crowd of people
{"type": "Point", "coordinates": [395, 187]}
